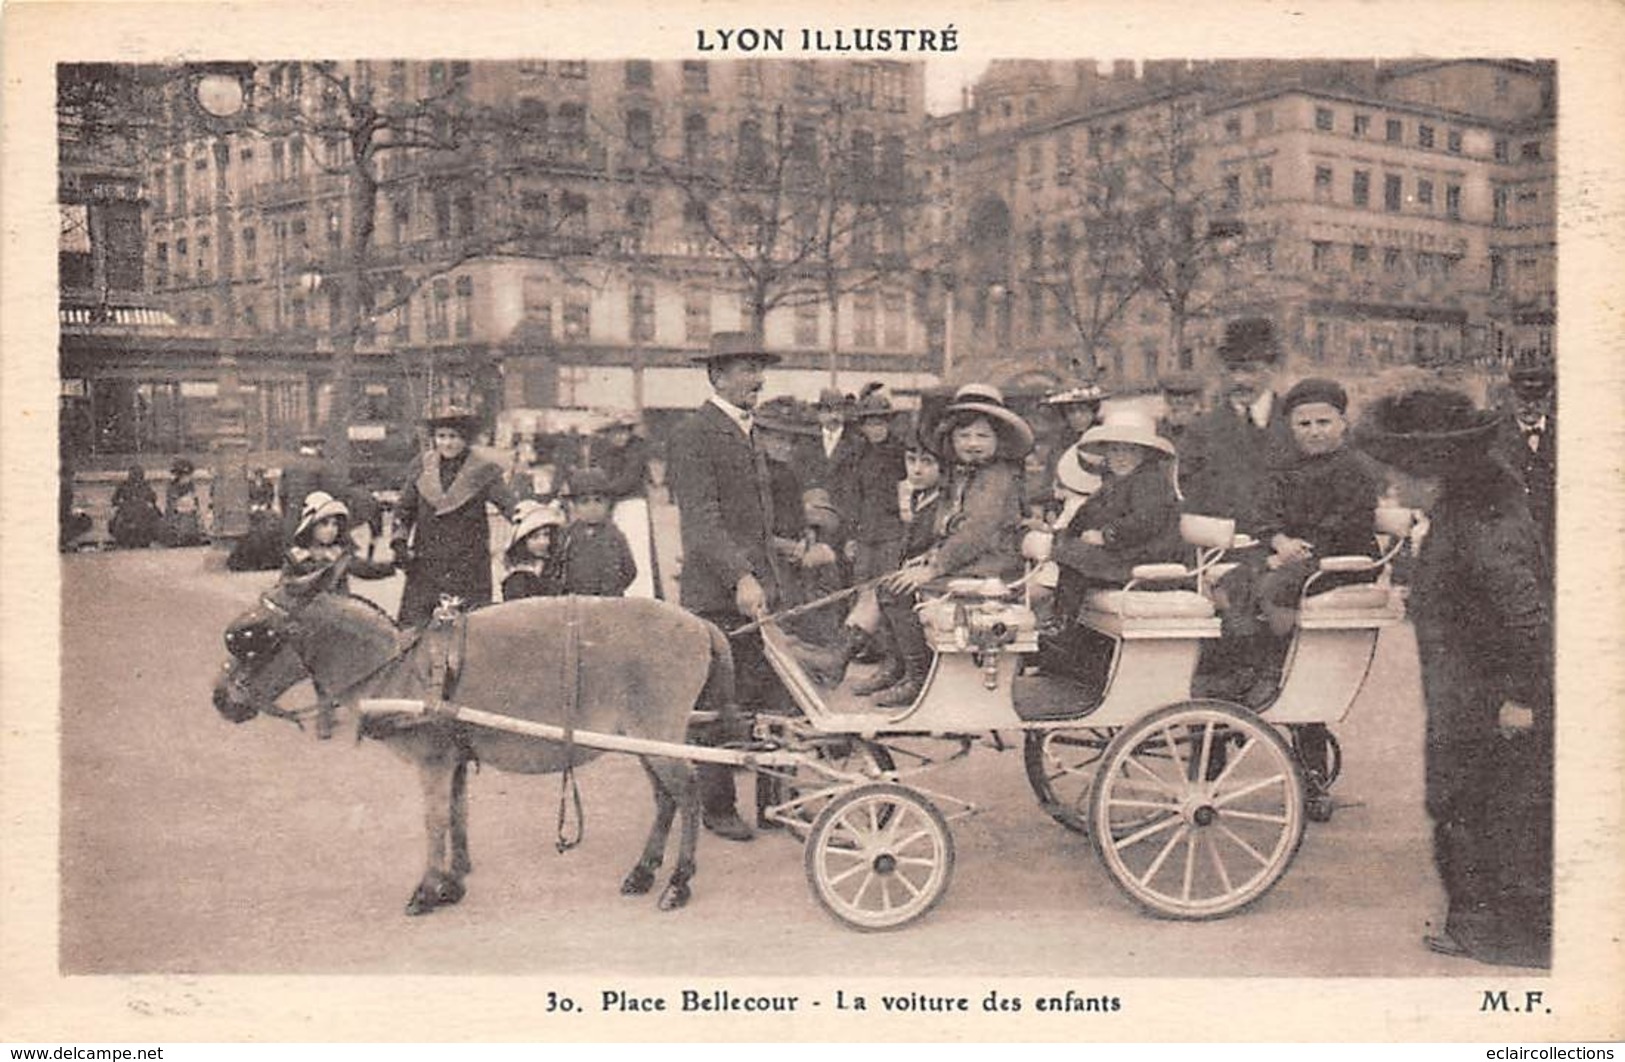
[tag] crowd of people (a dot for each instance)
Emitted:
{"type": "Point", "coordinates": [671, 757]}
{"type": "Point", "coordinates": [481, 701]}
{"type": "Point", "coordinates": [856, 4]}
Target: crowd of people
{"type": "Point", "coordinates": [853, 501]}
{"type": "Point", "coordinates": [780, 504]}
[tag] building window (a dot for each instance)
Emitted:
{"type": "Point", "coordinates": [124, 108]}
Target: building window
{"type": "Point", "coordinates": [1452, 141]}
{"type": "Point", "coordinates": [863, 319]}
{"type": "Point", "coordinates": [807, 324]}
{"type": "Point", "coordinates": [1502, 150]}
{"type": "Point", "coordinates": [533, 119]}
{"type": "Point", "coordinates": [1392, 258]}
{"type": "Point", "coordinates": [464, 323]}
{"type": "Point", "coordinates": [1320, 256]}
{"type": "Point", "coordinates": [251, 247]}
{"type": "Point", "coordinates": [1393, 130]}
{"type": "Point", "coordinates": [537, 303]}
{"type": "Point", "coordinates": [1232, 127]}
{"type": "Point", "coordinates": [1263, 121]}
{"type": "Point", "coordinates": [1362, 188]}
{"type": "Point", "coordinates": [1063, 159]}
{"type": "Point", "coordinates": [1424, 136]}
{"type": "Point", "coordinates": [1424, 194]}
{"type": "Point", "coordinates": [1264, 181]}
{"type": "Point", "coordinates": [161, 265]}
{"type": "Point", "coordinates": [1360, 257]}
{"type": "Point", "coordinates": [578, 312]}
{"type": "Point", "coordinates": [1035, 249]}
{"type": "Point", "coordinates": [1452, 201]}
{"type": "Point", "coordinates": [442, 214]}
{"type": "Point", "coordinates": [179, 174]}
{"type": "Point", "coordinates": [576, 69]}
{"type": "Point", "coordinates": [639, 129]}
{"type": "Point", "coordinates": [572, 128]}
{"type": "Point", "coordinates": [643, 312]}
{"type": "Point", "coordinates": [638, 214]}
{"type": "Point", "coordinates": [573, 222]}
{"type": "Point", "coordinates": [640, 74]}
{"type": "Point", "coordinates": [1362, 125]}
{"type": "Point", "coordinates": [894, 321]}
{"type": "Point", "coordinates": [696, 76]}
{"type": "Point", "coordinates": [1530, 151]}
{"type": "Point", "coordinates": [1500, 207]}
{"type": "Point", "coordinates": [1323, 184]}
{"type": "Point", "coordinates": [1232, 191]}
{"type": "Point", "coordinates": [695, 137]}
{"type": "Point", "coordinates": [748, 78]}
{"type": "Point", "coordinates": [438, 309]}
{"type": "Point", "coordinates": [751, 151]}
{"type": "Point", "coordinates": [335, 228]}
{"type": "Point", "coordinates": [1392, 192]}
{"type": "Point", "coordinates": [1498, 272]}
{"type": "Point", "coordinates": [1323, 119]}
{"type": "Point", "coordinates": [697, 316]}
{"type": "Point", "coordinates": [804, 77]}
{"type": "Point", "coordinates": [695, 216]}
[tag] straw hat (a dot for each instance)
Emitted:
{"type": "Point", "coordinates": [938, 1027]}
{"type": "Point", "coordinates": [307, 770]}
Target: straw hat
{"type": "Point", "coordinates": [728, 346]}
{"type": "Point", "coordinates": [984, 400]}
{"type": "Point", "coordinates": [319, 505]}
{"type": "Point", "coordinates": [1077, 473]}
{"type": "Point", "coordinates": [533, 515]}
{"type": "Point", "coordinates": [1126, 426]}
{"type": "Point", "coordinates": [1427, 431]}
{"type": "Point", "coordinates": [873, 401]}
{"type": "Point", "coordinates": [1089, 394]}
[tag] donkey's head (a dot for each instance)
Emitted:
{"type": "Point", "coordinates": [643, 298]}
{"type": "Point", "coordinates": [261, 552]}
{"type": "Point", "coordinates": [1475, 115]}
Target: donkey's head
{"type": "Point", "coordinates": [264, 654]}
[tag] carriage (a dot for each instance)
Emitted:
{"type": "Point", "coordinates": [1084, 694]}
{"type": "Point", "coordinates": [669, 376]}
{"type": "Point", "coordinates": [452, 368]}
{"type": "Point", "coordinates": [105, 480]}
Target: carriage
{"type": "Point", "coordinates": [1196, 806]}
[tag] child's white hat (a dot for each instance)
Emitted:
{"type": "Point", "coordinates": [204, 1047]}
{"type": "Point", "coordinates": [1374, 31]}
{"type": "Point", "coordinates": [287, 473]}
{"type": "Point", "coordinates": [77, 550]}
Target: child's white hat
{"type": "Point", "coordinates": [1126, 426]}
{"type": "Point", "coordinates": [1075, 472]}
{"type": "Point", "coordinates": [319, 505]}
{"type": "Point", "coordinates": [532, 516]}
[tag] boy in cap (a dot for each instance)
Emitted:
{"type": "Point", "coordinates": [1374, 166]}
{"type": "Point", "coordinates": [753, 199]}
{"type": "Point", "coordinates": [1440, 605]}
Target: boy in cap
{"type": "Point", "coordinates": [597, 561]}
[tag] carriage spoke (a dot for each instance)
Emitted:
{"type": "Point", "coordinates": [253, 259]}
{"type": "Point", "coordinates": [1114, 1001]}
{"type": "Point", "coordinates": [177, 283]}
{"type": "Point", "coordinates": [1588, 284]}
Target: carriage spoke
{"type": "Point", "coordinates": [885, 893]}
{"type": "Point", "coordinates": [857, 897]}
{"type": "Point", "coordinates": [916, 861]}
{"type": "Point", "coordinates": [1173, 749]}
{"type": "Point", "coordinates": [1230, 767]}
{"type": "Point", "coordinates": [856, 868]}
{"type": "Point", "coordinates": [1218, 865]}
{"type": "Point", "coordinates": [1256, 816]}
{"type": "Point", "coordinates": [1206, 756]}
{"type": "Point", "coordinates": [1162, 856]}
{"type": "Point", "coordinates": [1263, 783]}
{"type": "Point", "coordinates": [1157, 805]}
{"type": "Point", "coordinates": [911, 838]}
{"type": "Point", "coordinates": [1140, 835]}
{"type": "Point", "coordinates": [1190, 866]}
{"type": "Point", "coordinates": [914, 891]}
{"type": "Point", "coordinates": [1156, 779]}
{"type": "Point", "coordinates": [1249, 849]}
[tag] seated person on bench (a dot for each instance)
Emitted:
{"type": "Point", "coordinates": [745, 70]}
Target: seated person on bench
{"type": "Point", "coordinates": [1320, 506]}
{"type": "Point", "coordinates": [1133, 519]}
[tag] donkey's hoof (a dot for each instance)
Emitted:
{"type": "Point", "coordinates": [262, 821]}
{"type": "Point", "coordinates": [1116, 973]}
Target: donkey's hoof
{"type": "Point", "coordinates": [449, 891]}
{"type": "Point", "coordinates": [638, 882]}
{"type": "Point", "coordinates": [422, 902]}
{"type": "Point", "coordinates": [676, 895]}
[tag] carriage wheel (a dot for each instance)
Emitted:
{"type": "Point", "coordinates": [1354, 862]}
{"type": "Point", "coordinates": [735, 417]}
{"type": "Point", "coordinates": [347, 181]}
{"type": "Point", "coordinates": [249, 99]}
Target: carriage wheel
{"type": "Point", "coordinates": [1061, 770]}
{"type": "Point", "coordinates": [851, 754]}
{"type": "Point", "coordinates": [1190, 834]}
{"type": "Point", "coordinates": [879, 856]}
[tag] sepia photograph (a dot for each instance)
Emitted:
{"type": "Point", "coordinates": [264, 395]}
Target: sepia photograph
{"type": "Point", "coordinates": [865, 528]}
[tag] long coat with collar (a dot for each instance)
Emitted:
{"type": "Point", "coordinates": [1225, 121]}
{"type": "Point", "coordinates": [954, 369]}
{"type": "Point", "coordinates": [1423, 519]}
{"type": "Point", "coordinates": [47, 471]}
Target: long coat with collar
{"type": "Point", "coordinates": [1480, 602]}
{"type": "Point", "coordinates": [725, 511]}
{"type": "Point", "coordinates": [1226, 463]}
{"type": "Point", "coordinates": [451, 535]}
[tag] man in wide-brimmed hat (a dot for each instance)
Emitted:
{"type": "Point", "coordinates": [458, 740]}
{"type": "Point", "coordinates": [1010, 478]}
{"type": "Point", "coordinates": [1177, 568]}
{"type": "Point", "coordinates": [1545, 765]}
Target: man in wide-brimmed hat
{"type": "Point", "coordinates": [1527, 441]}
{"type": "Point", "coordinates": [730, 574]}
{"type": "Point", "coordinates": [1480, 603]}
{"type": "Point", "coordinates": [442, 537]}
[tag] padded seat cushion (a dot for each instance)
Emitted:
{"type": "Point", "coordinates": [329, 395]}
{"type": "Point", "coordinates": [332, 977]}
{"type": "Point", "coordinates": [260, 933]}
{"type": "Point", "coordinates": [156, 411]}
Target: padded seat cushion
{"type": "Point", "coordinates": [1348, 599]}
{"type": "Point", "coordinates": [1150, 604]}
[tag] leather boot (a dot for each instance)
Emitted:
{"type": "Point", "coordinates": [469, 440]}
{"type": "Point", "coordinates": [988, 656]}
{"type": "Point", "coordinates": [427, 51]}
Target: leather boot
{"type": "Point", "coordinates": [891, 668]}
{"type": "Point", "coordinates": [718, 803]}
{"type": "Point", "coordinates": [827, 666]}
{"type": "Point", "coordinates": [916, 657]}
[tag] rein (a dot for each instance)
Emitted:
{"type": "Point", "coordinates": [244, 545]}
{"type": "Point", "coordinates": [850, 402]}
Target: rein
{"type": "Point", "coordinates": [297, 716]}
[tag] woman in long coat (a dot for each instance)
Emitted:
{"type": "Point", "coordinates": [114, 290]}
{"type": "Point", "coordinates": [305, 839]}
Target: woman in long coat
{"type": "Point", "coordinates": [1480, 602]}
{"type": "Point", "coordinates": [443, 537]}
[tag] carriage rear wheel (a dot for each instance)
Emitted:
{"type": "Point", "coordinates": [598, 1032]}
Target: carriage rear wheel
{"type": "Point", "coordinates": [1189, 832]}
{"type": "Point", "coordinates": [879, 856]}
{"type": "Point", "coordinates": [1061, 770]}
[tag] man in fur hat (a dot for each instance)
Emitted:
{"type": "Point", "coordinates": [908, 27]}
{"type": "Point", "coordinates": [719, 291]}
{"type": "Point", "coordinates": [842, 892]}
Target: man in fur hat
{"type": "Point", "coordinates": [730, 575]}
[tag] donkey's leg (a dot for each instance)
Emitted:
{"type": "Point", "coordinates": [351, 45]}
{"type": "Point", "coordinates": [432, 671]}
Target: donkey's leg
{"type": "Point", "coordinates": [460, 863]}
{"type": "Point", "coordinates": [679, 779]}
{"type": "Point", "coordinates": [439, 885]}
{"type": "Point", "coordinates": [642, 876]}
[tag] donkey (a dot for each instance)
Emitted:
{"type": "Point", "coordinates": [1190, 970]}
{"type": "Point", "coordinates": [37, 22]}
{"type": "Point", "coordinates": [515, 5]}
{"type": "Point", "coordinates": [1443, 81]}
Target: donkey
{"type": "Point", "coordinates": [628, 666]}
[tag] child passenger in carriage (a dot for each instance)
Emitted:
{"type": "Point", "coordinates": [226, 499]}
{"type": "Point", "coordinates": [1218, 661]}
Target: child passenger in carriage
{"type": "Point", "coordinates": [1321, 505]}
{"type": "Point", "coordinates": [1133, 519]}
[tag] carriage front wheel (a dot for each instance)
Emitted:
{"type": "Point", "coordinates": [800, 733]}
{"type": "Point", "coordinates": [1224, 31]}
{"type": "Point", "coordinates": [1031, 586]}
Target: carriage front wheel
{"type": "Point", "coordinates": [1061, 769]}
{"type": "Point", "coordinates": [879, 856]}
{"type": "Point", "coordinates": [1189, 831]}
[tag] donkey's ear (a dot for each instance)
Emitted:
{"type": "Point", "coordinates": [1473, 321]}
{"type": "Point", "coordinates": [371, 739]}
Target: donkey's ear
{"type": "Point", "coordinates": [303, 586]}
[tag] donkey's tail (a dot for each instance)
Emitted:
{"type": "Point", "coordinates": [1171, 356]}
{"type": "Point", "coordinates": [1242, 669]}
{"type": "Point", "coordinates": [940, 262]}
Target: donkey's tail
{"type": "Point", "coordinates": [718, 693]}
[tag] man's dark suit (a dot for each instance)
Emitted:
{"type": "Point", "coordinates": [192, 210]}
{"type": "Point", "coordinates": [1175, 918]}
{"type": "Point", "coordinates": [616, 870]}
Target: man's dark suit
{"type": "Point", "coordinates": [719, 482]}
{"type": "Point", "coordinates": [836, 472]}
{"type": "Point", "coordinates": [1226, 463]}
{"type": "Point", "coordinates": [1537, 468]}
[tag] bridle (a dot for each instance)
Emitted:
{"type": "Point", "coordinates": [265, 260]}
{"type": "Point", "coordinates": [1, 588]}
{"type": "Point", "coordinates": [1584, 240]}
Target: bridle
{"type": "Point", "coordinates": [290, 629]}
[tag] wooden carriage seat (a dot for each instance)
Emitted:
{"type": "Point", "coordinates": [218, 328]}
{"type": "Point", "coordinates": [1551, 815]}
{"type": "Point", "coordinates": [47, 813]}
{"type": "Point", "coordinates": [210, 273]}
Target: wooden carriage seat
{"type": "Point", "coordinates": [1166, 600]}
